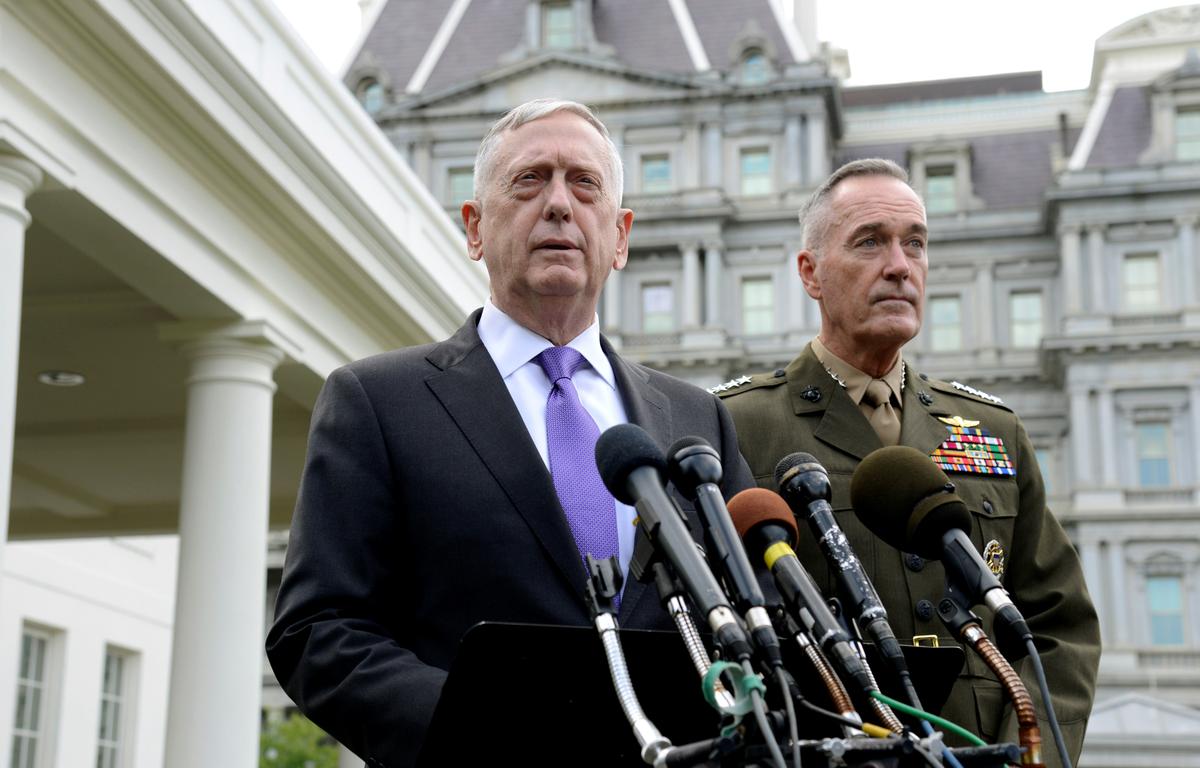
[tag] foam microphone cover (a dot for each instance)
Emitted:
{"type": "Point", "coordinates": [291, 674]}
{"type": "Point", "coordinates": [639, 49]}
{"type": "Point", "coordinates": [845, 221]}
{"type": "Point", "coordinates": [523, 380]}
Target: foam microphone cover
{"type": "Point", "coordinates": [907, 500]}
{"type": "Point", "coordinates": [621, 450]}
{"type": "Point", "coordinates": [754, 506]}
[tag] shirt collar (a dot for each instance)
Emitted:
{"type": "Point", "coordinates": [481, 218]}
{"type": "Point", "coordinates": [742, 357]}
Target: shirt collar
{"type": "Point", "coordinates": [512, 345]}
{"type": "Point", "coordinates": [856, 381]}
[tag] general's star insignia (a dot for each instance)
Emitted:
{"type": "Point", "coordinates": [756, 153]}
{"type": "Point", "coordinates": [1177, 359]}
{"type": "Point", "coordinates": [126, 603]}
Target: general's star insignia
{"type": "Point", "coordinates": [731, 384]}
{"type": "Point", "coordinates": [958, 421]}
{"type": "Point", "coordinates": [977, 392]}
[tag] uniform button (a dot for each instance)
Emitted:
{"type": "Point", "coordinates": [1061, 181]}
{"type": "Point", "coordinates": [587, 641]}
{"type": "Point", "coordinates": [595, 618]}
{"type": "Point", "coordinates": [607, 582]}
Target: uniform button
{"type": "Point", "coordinates": [924, 610]}
{"type": "Point", "coordinates": [925, 398]}
{"type": "Point", "coordinates": [780, 373]}
{"type": "Point", "coordinates": [987, 507]}
{"type": "Point", "coordinates": [914, 563]}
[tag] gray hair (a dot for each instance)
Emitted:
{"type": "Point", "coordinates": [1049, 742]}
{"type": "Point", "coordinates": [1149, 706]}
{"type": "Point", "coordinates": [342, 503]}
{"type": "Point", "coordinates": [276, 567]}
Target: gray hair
{"type": "Point", "coordinates": [814, 216]}
{"type": "Point", "coordinates": [485, 160]}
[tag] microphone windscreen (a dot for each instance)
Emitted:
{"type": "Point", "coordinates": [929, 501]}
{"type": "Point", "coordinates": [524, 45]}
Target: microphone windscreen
{"type": "Point", "coordinates": [691, 461]}
{"type": "Point", "coordinates": [903, 498]}
{"type": "Point", "coordinates": [755, 506]}
{"type": "Point", "coordinates": [793, 460]}
{"type": "Point", "coordinates": [621, 450]}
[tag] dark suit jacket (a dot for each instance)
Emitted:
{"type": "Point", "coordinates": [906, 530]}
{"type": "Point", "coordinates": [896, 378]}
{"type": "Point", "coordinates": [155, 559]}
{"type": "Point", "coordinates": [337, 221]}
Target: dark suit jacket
{"type": "Point", "coordinates": [424, 508]}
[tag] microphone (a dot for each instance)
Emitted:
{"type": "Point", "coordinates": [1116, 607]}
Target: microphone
{"type": "Point", "coordinates": [909, 502]}
{"type": "Point", "coordinates": [768, 529]}
{"type": "Point", "coordinates": [804, 484]}
{"type": "Point", "coordinates": [694, 466]}
{"type": "Point", "coordinates": [633, 468]}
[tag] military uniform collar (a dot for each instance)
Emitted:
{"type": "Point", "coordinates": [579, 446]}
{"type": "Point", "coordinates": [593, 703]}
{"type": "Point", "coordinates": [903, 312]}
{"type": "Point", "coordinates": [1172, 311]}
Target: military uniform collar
{"type": "Point", "coordinates": [855, 381]}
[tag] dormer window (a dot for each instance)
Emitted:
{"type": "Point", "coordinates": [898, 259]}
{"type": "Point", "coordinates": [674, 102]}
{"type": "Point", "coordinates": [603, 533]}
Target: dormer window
{"type": "Point", "coordinates": [1187, 134]}
{"type": "Point", "coordinates": [755, 68]}
{"type": "Point", "coordinates": [941, 174]}
{"type": "Point", "coordinates": [940, 190]}
{"type": "Point", "coordinates": [558, 25]}
{"type": "Point", "coordinates": [370, 94]}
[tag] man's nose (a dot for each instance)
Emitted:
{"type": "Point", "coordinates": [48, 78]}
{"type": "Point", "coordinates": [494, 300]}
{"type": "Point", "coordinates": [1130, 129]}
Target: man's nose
{"type": "Point", "coordinates": [896, 264]}
{"type": "Point", "coordinates": [558, 199]}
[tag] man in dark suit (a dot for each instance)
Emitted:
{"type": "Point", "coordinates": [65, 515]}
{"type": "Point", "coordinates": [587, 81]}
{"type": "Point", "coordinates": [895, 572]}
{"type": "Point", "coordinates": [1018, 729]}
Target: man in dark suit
{"type": "Point", "coordinates": [452, 483]}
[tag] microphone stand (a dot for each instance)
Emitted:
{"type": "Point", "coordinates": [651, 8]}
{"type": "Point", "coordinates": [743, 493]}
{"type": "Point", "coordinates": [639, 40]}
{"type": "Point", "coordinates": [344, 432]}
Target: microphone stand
{"type": "Point", "coordinates": [964, 624]}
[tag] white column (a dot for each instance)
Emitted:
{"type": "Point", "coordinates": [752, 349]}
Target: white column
{"type": "Point", "coordinates": [1099, 274]}
{"type": "Point", "coordinates": [818, 149]}
{"type": "Point", "coordinates": [1120, 609]}
{"type": "Point", "coordinates": [713, 268]}
{"type": "Point", "coordinates": [1188, 260]}
{"type": "Point", "coordinates": [1194, 407]}
{"type": "Point", "coordinates": [1071, 276]}
{"type": "Point", "coordinates": [793, 150]}
{"type": "Point", "coordinates": [1081, 438]}
{"type": "Point", "coordinates": [984, 300]}
{"type": "Point", "coordinates": [216, 658]}
{"type": "Point", "coordinates": [18, 177]}
{"type": "Point", "coordinates": [1107, 444]}
{"type": "Point", "coordinates": [691, 285]}
{"type": "Point", "coordinates": [1093, 574]}
{"type": "Point", "coordinates": [612, 302]}
{"type": "Point", "coordinates": [711, 161]}
{"type": "Point", "coordinates": [800, 308]}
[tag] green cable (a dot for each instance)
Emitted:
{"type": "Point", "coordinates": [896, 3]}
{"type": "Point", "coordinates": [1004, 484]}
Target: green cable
{"type": "Point", "coordinates": [942, 723]}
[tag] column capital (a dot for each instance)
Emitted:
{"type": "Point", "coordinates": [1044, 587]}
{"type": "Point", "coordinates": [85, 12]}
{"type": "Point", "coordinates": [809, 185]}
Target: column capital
{"type": "Point", "coordinates": [18, 177]}
{"type": "Point", "coordinates": [1187, 220]}
{"type": "Point", "coordinates": [691, 247]}
{"type": "Point", "coordinates": [714, 244]}
{"type": "Point", "coordinates": [1096, 227]}
{"type": "Point", "coordinates": [1069, 228]}
{"type": "Point", "coordinates": [247, 352]}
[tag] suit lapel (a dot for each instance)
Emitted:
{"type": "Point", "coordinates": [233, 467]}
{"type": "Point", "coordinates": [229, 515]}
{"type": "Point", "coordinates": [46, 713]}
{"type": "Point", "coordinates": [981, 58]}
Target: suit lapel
{"type": "Point", "coordinates": [471, 390]}
{"type": "Point", "coordinates": [650, 409]}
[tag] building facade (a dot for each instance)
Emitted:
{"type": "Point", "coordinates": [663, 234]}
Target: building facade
{"type": "Point", "coordinates": [1064, 259]}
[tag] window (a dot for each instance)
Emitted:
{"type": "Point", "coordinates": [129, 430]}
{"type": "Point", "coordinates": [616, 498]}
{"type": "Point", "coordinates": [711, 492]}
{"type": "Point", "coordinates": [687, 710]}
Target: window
{"type": "Point", "coordinates": [1045, 467]}
{"type": "Point", "coordinates": [945, 319]}
{"type": "Point", "coordinates": [941, 194]}
{"type": "Point", "coordinates": [1164, 597]}
{"type": "Point", "coordinates": [1153, 454]}
{"type": "Point", "coordinates": [758, 305]}
{"type": "Point", "coordinates": [658, 314]}
{"type": "Point", "coordinates": [1187, 134]}
{"type": "Point", "coordinates": [558, 25]}
{"type": "Point", "coordinates": [1025, 318]}
{"type": "Point", "coordinates": [371, 95]}
{"type": "Point", "coordinates": [656, 174]}
{"type": "Point", "coordinates": [460, 185]}
{"type": "Point", "coordinates": [756, 171]}
{"type": "Point", "coordinates": [112, 710]}
{"type": "Point", "coordinates": [29, 724]}
{"type": "Point", "coordinates": [755, 68]}
{"type": "Point", "coordinates": [1140, 282]}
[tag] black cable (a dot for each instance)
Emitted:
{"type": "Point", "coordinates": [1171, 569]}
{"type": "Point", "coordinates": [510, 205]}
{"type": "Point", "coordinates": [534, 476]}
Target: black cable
{"type": "Point", "coordinates": [856, 725]}
{"type": "Point", "coordinates": [1044, 687]}
{"type": "Point", "coordinates": [793, 728]}
{"type": "Point", "coordinates": [760, 714]}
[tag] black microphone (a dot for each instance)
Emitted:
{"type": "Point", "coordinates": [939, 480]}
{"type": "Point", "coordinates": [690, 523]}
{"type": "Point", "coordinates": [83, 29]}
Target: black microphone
{"type": "Point", "coordinates": [804, 484]}
{"type": "Point", "coordinates": [694, 466]}
{"type": "Point", "coordinates": [633, 468]}
{"type": "Point", "coordinates": [909, 502]}
{"type": "Point", "coordinates": [768, 529]}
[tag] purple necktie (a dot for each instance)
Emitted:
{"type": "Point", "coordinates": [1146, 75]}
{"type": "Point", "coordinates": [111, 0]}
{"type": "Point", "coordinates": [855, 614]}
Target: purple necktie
{"type": "Point", "coordinates": [571, 436]}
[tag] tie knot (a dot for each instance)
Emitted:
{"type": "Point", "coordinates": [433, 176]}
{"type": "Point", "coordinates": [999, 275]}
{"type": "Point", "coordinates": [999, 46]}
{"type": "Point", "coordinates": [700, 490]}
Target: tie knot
{"type": "Point", "coordinates": [560, 362]}
{"type": "Point", "coordinates": [878, 392]}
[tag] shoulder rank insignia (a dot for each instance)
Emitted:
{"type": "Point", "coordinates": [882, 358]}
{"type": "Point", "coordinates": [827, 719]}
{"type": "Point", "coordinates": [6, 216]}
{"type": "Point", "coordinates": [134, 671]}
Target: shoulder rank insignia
{"type": "Point", "coordinates": [972, 449]}
{"type": "Point", "coordinates": [977, 392]}
{"type": "Point", "coordinates": [993, 555]}
{"type": "Point", "coordinates": [731, 384]}
{"type": "Point", "coordinates": [958, 421]}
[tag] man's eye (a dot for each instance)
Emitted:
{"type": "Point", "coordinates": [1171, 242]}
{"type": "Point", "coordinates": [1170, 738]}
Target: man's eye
{"type": "Point", "coordinates": [589, 180]}
{"type": "Point", "coordinates": [916, 243]}
{"type": "Point", "coordinates": [868, 242]}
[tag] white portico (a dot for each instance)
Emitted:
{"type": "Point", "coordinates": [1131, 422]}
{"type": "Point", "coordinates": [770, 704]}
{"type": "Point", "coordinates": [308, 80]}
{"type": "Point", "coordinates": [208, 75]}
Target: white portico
{"type": "Point", "coordinates": [198, 220]}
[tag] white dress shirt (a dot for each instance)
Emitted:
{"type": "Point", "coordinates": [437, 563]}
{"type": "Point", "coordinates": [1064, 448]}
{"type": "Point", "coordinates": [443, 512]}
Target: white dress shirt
{"type": "Point", "coordinates": [514, 347]}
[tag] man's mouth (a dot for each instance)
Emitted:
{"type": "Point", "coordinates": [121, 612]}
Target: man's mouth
{"type": "Point", "coordinates": [556, 245]}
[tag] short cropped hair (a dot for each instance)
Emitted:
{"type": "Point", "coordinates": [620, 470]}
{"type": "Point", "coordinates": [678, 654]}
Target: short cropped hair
{"type": "Point", "coordinates": [814, 216]}
{"type": "Point", "coordinates": [485, 159]}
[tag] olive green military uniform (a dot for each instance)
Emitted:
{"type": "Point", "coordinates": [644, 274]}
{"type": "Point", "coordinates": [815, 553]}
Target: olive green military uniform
{"type": "Point", "coordinates": [802, 408]}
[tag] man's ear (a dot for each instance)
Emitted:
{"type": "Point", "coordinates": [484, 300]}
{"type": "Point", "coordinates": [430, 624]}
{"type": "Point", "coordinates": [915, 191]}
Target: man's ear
{"type": "Point", "coordinates": [471, 213]}
{"type": "Point", "coordinates": [806, 265]}
{"type": "Point", "coordinates": [624, 224]}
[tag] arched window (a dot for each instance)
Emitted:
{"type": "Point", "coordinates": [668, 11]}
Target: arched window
{"type": "Point", "coordinates": [370, 94]}
{"type": "Point", "coordinates": [755, 68]}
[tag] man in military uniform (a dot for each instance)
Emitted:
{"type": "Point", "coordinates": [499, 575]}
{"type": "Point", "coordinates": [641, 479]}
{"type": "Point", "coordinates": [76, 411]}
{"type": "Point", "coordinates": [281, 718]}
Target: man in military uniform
{"type": "Point", "coordinates": [850, 392]}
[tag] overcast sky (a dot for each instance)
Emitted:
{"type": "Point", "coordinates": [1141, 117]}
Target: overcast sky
{"type": "Point", "coordinates": [888, 41]}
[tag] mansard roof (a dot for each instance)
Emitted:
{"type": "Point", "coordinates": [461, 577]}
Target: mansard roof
{"type": "Point", "coordinates": [1126, 131]}
{"type": "Point", "coordinates": [952, 88]}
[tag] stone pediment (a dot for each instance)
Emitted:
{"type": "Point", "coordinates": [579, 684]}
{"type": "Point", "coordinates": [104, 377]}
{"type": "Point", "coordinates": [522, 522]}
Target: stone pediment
{"type": "Point", "coordinates": [1135, 713]}
{"type": "Point", "coordinates": [564, 75]}
{"type": "Point", "coordinates": [1166, 24]}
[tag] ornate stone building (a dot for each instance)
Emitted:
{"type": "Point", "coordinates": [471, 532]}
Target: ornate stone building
{"type": "Point", "coordinates": [1064, 278]}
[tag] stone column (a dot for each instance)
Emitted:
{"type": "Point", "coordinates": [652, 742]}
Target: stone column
{"type": "Point", "coordinates": [793, 150]}
{"type": "Point", "coordinates": [18, 177]}
{"type": "Point", "coordinates": [1107, 444]}
{"type": "Point", "coordinates": [799, 307]}
{"type": "Point", "coordinates": [713, 269]}
{"type": "Point", "coordinates": [1093, 574]}
{"type": "Point", "coordinates": [985, 319]}
{"type": "Point", "coordinates": [818, 149]}
{"type": "Point", "coordinates": [1120, 609]}
{"type": "Point", "coordinates": [1071, 275]}
{"type": "Point", "coordinates": [216, 656]}
{"type": "Point", "coordinates": [1098, 288]}
{"type": "Point", "coordinates": [691, 285]}
{"type": "Point", "coordinates": [1081, 438]}
{"type": "Point", "coordinates": [1194, 407]}
{"type": "Point", "coordinates": [1189, 261]}
{"type": "Point", "coordinates": [711, 161]}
